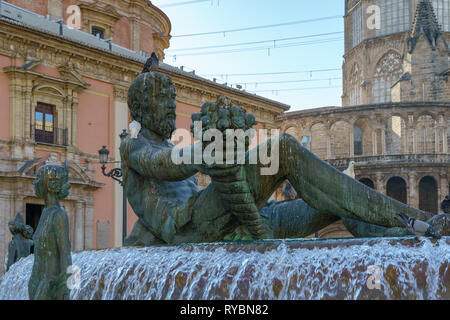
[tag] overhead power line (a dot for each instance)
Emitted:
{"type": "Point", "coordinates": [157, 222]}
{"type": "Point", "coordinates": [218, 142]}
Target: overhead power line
{"type": "Point", "coordinates": [267, 73]}
{"type": "Point", "coordinates": [181, 3]}
{"type": "Point", "coordinates": [293, 89]}
{"type": "Point", "coordinates": [273, 41]}
{"type": "Point", "coordinates": [286, 81]}
{"type": "Point", "coordinates": [286, 45]}
{"type": "Point", "coordinates": [257, 27]}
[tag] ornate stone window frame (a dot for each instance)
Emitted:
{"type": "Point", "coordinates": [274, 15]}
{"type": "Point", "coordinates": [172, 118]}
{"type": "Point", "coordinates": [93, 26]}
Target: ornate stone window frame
{"type": "Point", "coordinates": [99, 15]}
{"type": "Point", "coordinates": [28, 87]}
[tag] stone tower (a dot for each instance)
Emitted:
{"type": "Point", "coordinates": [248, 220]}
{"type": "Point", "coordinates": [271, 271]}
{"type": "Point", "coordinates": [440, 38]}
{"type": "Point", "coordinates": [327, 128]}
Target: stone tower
{"type": "Point", "coordinates": [378, 52]}
{"type": "Point", "coordinates": [425, 63]}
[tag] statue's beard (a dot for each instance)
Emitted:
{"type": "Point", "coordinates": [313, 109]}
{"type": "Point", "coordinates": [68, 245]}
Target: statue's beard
{"type": "Point", "coordinates": [166, 127]}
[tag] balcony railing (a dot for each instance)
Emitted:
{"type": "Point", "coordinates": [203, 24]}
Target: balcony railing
{"type": "Point", "coordinates": [392, 160]}
{"type": "Point", "coordinates": [56, 137]}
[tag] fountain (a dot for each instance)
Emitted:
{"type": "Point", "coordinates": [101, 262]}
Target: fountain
{"type": "Point", "coordinates": [260, 270]}
{"type": "Point", "coordinates": [176, 248]}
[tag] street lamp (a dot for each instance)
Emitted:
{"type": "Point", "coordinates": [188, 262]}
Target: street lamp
{"type": "Point", "coordinates": [116, 174]}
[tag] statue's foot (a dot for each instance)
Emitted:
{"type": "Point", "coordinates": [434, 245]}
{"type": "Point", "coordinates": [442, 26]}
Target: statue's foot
{"type": "Point", "coordinates": [441, 223]}
{"type": "Point", "coordinates": [239, 234]}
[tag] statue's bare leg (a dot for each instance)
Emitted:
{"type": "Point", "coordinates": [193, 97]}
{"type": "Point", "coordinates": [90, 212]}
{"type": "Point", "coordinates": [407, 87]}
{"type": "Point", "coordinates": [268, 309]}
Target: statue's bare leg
{"type": "Point", "coordinates": [325, 188]}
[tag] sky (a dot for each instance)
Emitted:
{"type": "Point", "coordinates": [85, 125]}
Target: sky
{"type": "Point", "coordinates": [313, 63]}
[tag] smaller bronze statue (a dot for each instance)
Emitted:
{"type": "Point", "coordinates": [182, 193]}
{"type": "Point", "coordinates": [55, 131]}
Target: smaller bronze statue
{"type": "Point", "coordinates": [21, 243]}
{"type": "Point", "coordinates": [52, 245]}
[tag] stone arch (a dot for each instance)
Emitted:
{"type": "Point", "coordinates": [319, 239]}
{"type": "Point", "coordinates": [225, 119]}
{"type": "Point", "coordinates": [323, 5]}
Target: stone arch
{"type": "Point", "coordinates": [428, 194]}
{"type": "Point", "coordinates": [425, 133]}
{"type": "Point", "coordinates": [395, 132]}
{"type": "Point", "coordinates": [48, 89]}
{"type": "Point", "coordinates": [340, 139]}
{"type": "Point", "coordinates": [75, 171]}
{"type": "Point", "coordinates": [319, 139]}
{"type": "Point", "coordinates": [396, 189]}
{"type": "Point", "coordinates": [387, 71]}
{"type": "Point", "coordinates": [368, 182]}
{"type": "Point", "coordinates": [292, 130]}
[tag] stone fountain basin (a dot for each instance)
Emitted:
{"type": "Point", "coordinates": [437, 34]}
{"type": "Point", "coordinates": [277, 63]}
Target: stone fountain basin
{"type": "Point", "coordinates": [270, 269]}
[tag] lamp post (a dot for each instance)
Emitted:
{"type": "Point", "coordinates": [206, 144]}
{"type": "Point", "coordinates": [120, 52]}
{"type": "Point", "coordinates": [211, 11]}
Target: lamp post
{"type": "Point", "coordinates": [116, 174]}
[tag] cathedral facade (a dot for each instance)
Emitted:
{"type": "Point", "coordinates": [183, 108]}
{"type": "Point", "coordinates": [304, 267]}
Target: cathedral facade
{"type": "Point", "coordinates": [394, 122]}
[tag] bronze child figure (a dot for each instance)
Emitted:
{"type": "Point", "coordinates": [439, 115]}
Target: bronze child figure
{"type": "Point", "coordinates": [21, 243]}
{"type": "Point", "coordinates": [52, 245]}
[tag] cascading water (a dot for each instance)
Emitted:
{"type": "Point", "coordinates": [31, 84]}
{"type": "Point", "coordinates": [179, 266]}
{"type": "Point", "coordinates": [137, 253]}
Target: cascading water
{"type": "Point", "coordinates": [288, 269]}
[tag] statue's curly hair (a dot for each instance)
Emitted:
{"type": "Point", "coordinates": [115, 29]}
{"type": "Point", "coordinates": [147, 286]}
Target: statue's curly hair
{"type": "Point", "coordinates": [143, 91]}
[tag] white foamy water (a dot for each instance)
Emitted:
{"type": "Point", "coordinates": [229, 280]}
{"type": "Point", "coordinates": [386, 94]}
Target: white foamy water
{"type": "Point", "coordinates": [262, 270]}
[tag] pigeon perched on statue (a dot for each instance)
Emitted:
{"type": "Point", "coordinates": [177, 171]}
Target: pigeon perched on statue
{"type": "Point", "coordinates": [151, 64]}
{"type": "Point", "coordinates": [350, 171]}
{"type": "Point", "coordinates": [445, 205]}
{"type": "Point", "coordinates": [418, 227]}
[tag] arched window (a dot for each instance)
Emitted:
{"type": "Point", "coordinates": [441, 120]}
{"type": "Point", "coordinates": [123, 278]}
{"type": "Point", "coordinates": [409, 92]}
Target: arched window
{"type": "Point", "coordinates": [367, 182]}
{"type": "Point", "coordinates": [428, 197]}
{"type": "Point", "coordinates": [388, 70]}
{"type": "Point", "coordinates": [292, 131]}
{"type": "Point", "coordinates": [357, 141]}
{"type": "Point", "coordinates": [396, 188]}
{"type": "Point", "coordinates": [355, 86]}
{"type": "Point", "coordinates": [305, 142]}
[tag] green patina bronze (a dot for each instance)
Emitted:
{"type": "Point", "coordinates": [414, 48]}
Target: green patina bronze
{"type": "Point", "coordinates": [52, 245]}
{"type": "Point", "coordinates": [21, 243]}
{"type": "Point", "coordinates": [172, 210]}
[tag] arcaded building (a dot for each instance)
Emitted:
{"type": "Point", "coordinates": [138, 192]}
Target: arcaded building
{"type": "Point", "coordinates": [395, 119]}
{"type": "Point", "coordinates": [63, 96]}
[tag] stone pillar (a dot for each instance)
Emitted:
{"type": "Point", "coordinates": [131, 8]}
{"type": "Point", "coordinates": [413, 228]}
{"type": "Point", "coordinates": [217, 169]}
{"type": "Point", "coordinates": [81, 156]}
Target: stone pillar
{"type": "Point", "coordinates": [89, 226]}
{"type": "Point", "coordinates": [135, 33]}
{"type": "Point", "coordinates": [383, 141]}
{"type": "Point", "coordinates": [374, 142]}
{"type": "Point", "coordinates": [79, 226]}
{"type": "Point", "coordinates": [380, 186]}
{"type": "Point", "coordinates": [444, 142]}
{"type": "Point", "coordinates": [5, 235]}
{"type": "Point", "coordinates": [437, 136]}
{"type": "Point", "coordinates": [413, 196]}
{"type": "Point", "coordinates": [352, 141]}
{"type": "Point", "coordinates": [19, 206]}
{"type": "Point", "coordinates": [443, 189]}
{"type": "Point", "coordinates": [328, 145]}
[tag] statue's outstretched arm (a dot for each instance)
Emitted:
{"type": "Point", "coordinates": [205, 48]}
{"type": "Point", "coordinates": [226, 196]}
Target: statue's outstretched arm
{"type": "Point", "coordinates": [155, 163]}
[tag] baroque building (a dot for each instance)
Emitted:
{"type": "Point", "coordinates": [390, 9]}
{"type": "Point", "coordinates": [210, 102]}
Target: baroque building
{"type": "Point", "coordinates": [63, 96]}
{"type": "Point", "coordinates": [395, 119]}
